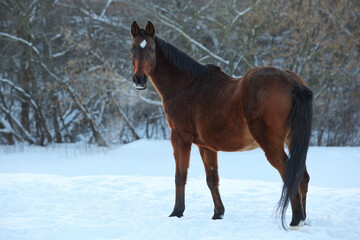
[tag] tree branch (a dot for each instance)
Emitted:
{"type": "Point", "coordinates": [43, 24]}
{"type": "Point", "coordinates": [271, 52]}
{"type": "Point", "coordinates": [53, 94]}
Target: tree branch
{"type": "Point", "coordinates": [24, 132]}
{"type": "Point", "coordinates": [21, 40]}
{"type": "Point", "coordinates": [166, 22]}
{"type": "Point", "coordinates": [97, 134]}
{"type": "Point", "coordinates": [33, 103]}
{"type": "Point", "coordinates": [149, 101]}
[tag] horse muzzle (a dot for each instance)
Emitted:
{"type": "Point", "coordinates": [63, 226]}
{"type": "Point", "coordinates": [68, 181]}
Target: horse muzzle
{"type": "Point", "coordinates": [140, 82]}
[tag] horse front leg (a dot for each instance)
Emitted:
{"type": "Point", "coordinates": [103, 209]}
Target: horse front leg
{"type": "Point", "coordinates": [212, 178]}
{"type": "Point", "coordinates": [181, 145]}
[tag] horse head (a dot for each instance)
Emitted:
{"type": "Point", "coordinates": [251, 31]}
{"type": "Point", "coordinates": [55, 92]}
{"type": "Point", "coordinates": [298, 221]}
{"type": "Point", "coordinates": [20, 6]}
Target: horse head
{"type": "Point", "coordinates": [143, 53]}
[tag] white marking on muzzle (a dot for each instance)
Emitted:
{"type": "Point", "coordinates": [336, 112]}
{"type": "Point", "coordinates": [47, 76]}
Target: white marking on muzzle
{"type": "Point", "coordinates": [143, 44]}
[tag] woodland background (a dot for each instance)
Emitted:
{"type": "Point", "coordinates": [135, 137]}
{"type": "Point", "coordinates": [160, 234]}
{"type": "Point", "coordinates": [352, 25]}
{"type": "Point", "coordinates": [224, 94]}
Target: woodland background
{"type": "Point", "coordinates": [65, 70]}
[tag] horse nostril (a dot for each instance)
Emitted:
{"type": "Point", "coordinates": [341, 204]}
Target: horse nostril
{"type": "Point", "coordinates": [135, 80]}
{"type": "Point", "coordinates": [143, 79]}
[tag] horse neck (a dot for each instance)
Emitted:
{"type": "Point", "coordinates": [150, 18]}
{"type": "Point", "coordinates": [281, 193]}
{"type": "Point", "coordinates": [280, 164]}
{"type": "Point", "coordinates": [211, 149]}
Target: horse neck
{"type": "Point", "coordinates": [168, 79]}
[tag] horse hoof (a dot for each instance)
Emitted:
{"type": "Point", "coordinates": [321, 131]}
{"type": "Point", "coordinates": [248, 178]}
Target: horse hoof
{"type": "Point", "coordinates": [176, 214]}
{"type": "Point", "coordinates": [297, 227]}
{"type": "Point", "coordinates": [218, 216]}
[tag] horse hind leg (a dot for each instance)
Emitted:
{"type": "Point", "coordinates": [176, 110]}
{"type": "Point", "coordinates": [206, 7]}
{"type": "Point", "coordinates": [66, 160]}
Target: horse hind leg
{"type": "Point", "coordinates": [304, 189]}
{"type": "Point", "coordinates": [272, 142]}
{"type": "Point", "coordinates": [298, 203]}
{"type": "Point", "coordinates": [278, 158]}
{"type": "Point", "coordinates": [212, 178]}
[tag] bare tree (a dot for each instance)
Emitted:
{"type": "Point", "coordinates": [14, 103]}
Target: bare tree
{"type": "Point", "coordinates": [65, 70]}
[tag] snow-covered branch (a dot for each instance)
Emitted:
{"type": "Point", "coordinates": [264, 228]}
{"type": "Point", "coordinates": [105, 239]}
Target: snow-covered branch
{"type": "Point", "coordinates": [62, 53]}
{"type": "Point", "coordinates": [28, 98]}
{"type": "Point", "coordinates": [125, 117]}
{"type": "Point", "coordinates": [105, 8]}
{"type": "Point", "coordinates": [205, 7]}
{"type": "Point", "coordinates": [103, 19]}
{"type": "Point", "coordinates": [20, 90]}
{"type": "Point", "coordinates": [21, 40]}
{"type": "Point", "coordinates": [7, 127]}
{"type": "Point", "coordinates": [167, 21]}
{"type": "Point", "coordinates": [24, 132]}
{"type": "Point", "coordinates": [149, 101]}
{"type": "Point", "coordinates": [83, 109]}
{"type": "Point", "coordinates": [239, 14]}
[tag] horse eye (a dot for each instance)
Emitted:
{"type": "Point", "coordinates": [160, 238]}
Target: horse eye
{"type": "Point", "coordinates": [152, 50]}
{"type": "Point", "coordinates": [132, 50]}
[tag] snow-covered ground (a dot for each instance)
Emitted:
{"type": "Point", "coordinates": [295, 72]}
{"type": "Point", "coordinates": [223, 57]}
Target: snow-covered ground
{"type": "Point", "coordinates": [82, 192]}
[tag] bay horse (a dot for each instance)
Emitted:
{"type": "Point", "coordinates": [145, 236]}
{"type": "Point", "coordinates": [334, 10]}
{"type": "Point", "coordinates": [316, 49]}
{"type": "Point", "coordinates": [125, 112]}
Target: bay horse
{"type": "Point", "coordinates": [266, 108]}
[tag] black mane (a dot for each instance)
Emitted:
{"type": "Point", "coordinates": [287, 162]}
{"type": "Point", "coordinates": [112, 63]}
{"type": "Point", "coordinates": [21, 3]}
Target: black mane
{"type": "Point", "coordinates": [180, 59]}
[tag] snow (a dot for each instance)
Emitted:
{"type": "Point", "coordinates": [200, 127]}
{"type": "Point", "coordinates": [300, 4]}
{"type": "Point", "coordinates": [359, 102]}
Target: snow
{"type": "Point", "coordinates": [75, 191]}
{"type": "Point", "coordinates": [143, 44]}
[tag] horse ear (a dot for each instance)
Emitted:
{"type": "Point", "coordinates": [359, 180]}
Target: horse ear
{"type": "Point", "coordinates": [150, 29]}
{"type": "Point", "coordinates": [135, 29]}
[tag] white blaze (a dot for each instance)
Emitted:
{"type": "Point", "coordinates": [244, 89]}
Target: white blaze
{"type": "Point", "coordinates": [143, 44]}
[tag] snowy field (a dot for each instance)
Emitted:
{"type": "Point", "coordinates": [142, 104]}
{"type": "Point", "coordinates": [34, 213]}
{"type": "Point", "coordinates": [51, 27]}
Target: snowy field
{"type": "Point", "coordinates": [82, 192]}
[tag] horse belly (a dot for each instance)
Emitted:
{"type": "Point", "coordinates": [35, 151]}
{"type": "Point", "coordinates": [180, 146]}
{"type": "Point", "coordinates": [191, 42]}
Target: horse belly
{"type": "Point", "coordinates": [226, 138]}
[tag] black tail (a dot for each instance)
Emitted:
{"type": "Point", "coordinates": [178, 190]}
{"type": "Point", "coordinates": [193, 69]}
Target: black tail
{"type": "Point", "coordinates": [300, 132]}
